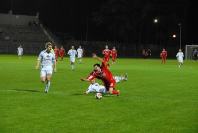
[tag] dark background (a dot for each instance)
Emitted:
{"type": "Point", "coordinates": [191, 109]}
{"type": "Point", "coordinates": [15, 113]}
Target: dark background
{"type": "Point", "coordinates": [113, 20]}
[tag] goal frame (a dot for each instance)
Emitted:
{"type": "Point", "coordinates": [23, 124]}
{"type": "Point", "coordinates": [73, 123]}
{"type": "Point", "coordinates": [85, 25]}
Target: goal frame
{"type": "Point", "coordinates": [187, 57]}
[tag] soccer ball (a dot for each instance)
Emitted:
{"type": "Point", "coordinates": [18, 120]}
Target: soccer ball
{"type": "Point", "coordinates": [98, 95]}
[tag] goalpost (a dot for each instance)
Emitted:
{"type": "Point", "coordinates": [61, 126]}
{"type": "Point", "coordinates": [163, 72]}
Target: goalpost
{"type": "Point", "coordinates": [189, 51]}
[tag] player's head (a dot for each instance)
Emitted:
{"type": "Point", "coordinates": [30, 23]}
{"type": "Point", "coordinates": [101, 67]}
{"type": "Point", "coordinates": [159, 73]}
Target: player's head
{"type": "Point", "coordinates": [163, 49]}
{"type": "Point", "coordinates": [93, 81]}
{"type": "Point", "coordinates": [48, 46]}
{"type": "Point", "coordinates": [72, 47]}
{"type": "Point", "coordinates": [106, 47]}
{"type": "Point", "coordinates": [114, 47]}
{"type": "Point", "coordinates": [97, 67]}
{"type": "Point", "coordinates": [180, 50]}
{"type": "Point", "coordinates": [80, 46]}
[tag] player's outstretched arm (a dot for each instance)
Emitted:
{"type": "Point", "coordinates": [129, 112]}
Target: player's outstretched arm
{"type": "Point", "coordinates": [54, 66]}
{"type": "Point", "coordinates": [37, 64]}
{"type": "Point", "coordinates": [84, 79]}
{"type": "Point", "coordinates": [96, 57]}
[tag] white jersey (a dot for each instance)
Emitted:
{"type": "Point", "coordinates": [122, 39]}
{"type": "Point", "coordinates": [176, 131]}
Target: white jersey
{"type": "Point", "coordinates": [180, 56]}
{"type": "Point", "coordinates": [46, 59]}
{"type": "Point", "coordinates": [96, 88]}
{"type": "Point", "coordinates": [20, 51]}
{"type": "Point", "coordinates": [72, 53]}
{"type": "Point", "coordinates": [80, 52]}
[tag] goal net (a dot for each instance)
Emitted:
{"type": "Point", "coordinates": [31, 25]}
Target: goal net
{"type": "Point", "coordinates": [191, 52]}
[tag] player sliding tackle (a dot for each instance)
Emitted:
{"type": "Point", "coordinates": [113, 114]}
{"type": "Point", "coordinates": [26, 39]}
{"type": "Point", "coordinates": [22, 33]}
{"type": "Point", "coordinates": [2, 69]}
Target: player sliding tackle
{"type": "Point", "coordinates": [103, 73]}
{"type": "Point", "coordinates": [97, 88]}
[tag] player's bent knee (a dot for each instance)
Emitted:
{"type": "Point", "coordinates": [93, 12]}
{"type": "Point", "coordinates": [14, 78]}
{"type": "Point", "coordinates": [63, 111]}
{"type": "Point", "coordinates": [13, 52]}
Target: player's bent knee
{"type": "Point", "coordinates": [110, 90]}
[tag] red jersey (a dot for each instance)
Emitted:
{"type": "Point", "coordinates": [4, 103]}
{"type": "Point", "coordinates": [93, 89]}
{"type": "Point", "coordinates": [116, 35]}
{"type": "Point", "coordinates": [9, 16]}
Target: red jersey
{"type": "Point", "coordinates": [163, 53]}
{"type": "Point", "coordinates": [62, 52]}
{"type": "Point", "coordinates": [107, 54]}
{"type": "Point", "coordinates": [114, 53]}
{"type": "Point", "coordinates": [105, 75]}
{"type": "Point", "coordinates": [56, 52]}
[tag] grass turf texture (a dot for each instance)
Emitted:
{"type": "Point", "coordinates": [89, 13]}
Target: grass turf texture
{"type": "Point", "coordinates": [156, 98]}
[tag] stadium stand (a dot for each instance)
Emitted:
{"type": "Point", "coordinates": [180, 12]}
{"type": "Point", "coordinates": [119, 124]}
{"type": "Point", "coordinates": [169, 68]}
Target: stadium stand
{"type": "Point", "coordinates": [22, 30]}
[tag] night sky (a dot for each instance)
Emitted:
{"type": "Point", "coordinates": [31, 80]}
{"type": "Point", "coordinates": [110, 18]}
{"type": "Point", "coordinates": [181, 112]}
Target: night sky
{"type": "Point", "coordinates": [120, 20]}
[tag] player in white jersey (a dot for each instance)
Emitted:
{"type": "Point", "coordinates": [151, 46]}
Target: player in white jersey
{"type": "Point", "coordinates": [95, 88]}
{"type": "Point", "coordinates": [180, 56]}
{"type": "Point", "coordinates": [72, 54]}
{"type": "Point", "coordinates": [47, 62]}
{"type": "Point", "coordinates": [20, 51]}
{"type": "Point", "coordinates": [80, 54]}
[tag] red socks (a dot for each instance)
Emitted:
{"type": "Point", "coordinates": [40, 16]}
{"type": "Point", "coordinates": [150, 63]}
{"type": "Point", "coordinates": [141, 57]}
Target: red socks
{"type": "Point", "coordinates": [115, 92]}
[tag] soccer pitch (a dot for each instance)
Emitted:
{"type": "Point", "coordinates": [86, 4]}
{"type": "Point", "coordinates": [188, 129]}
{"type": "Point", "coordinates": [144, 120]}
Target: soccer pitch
{"type": "Point", "coordinates": [156, 98]}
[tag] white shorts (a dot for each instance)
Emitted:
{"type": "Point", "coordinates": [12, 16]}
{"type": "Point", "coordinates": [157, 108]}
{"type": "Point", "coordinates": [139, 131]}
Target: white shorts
{"type": "Point", "coordinates": [180, 60]}
{"type": "Point", "coordinates": [46, 71]}
{"type": "Point", "coordinates": [79, 56]}
{"type": "Point", "coordinates": [72, 59]}
{"type": "Point", "coordinates": [20, 54]}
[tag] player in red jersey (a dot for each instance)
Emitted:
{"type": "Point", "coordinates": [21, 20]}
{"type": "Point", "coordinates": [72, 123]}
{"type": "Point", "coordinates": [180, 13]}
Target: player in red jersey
{"type": "Point", "coordinates": [114, 55]}
{"type": "Point", "coordinates": [61, 52]}
{"type": "Point", "coordinates": [107, 53]}
{"type": "Point", "coordinates": [56, 52]}
{"type": "Point", "coordinates": [163, 55]}
{"type": "Point", "coordinates": [103, 73]}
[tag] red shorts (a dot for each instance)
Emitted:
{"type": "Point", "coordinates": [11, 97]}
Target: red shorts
{"type": "Point", "coordinates": [61, 55]}
{"type": "Point", "coordinates": [163, 57]}
{"type": "Point", "coordinates": [113, 58]}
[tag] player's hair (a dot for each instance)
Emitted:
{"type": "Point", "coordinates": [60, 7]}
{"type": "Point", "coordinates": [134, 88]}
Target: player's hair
{"type": "Point", "coordinates": [96, 65]}
{"type": "Point", "coordinates": [47, 44]}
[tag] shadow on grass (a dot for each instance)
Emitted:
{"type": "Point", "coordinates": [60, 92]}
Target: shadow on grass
{"type": "Point", "coordinates": [25, 90]}
{"type": "Point", "coordinates": [77, 94]}
{"type": "Point", "coordinates": [92, 94]}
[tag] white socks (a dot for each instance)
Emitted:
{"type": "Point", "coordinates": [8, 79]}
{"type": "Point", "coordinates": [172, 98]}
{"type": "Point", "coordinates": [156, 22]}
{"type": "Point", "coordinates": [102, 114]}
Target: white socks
{"type": "Point", "coordinates": [47, 86]}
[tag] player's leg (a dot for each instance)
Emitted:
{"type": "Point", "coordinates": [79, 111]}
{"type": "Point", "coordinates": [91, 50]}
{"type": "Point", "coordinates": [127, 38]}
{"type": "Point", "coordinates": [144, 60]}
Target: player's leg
{"type": "Point", "coordinates": [43, 76]}
{"type": "Point", "coordinates": [56, 57]}
{"type": "Point", "coordinates": [72, 65]}
{"type": "Point", "coordinates": [19, 55]}
{"type": "Point", "coordinates": [111, 89]}
{"type": "Point", "coordinates": [121, 78]}
{"type": "Point", "coordinates": [79, 59]}
{"type": "Point", "coordinates": [48, 79]}
{"type": "Point", "coordinates": [162, 60]}
{"type": "Point", "coordinates": [114, 91]}
{"type": "Point", "coordinates": [113, 60]}
{"type": "Point", "coordinates": [62, 57]}
{"type": "Point", "coordinates": [179, 64]}
{"type": "Point", "coordinates": [72, 60]}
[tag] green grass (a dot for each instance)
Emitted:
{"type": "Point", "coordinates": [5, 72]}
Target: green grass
{"type": "Point", "coordinates": [156, 98]}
